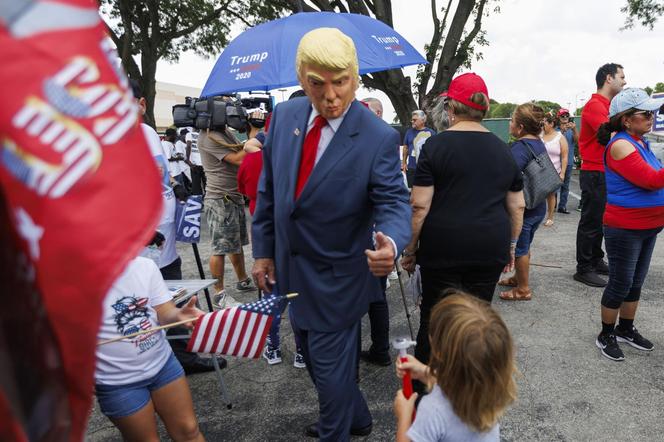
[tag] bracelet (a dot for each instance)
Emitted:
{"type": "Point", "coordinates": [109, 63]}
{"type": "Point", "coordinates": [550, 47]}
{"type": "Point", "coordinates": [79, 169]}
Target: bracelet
{"type": "Point", "coordinates": [513, 242]}
{"type": "Point", "coordinates": [407, 254]}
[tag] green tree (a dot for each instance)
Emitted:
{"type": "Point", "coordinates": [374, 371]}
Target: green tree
{"type": "Point", "coordinates": [501, 110]}
{"type": "Point", "coordinates": [163, 29]}
{"type": "Point", "coordinates": [449, 49]}
{"type": "Point", "coordinates": [548, 106]}
{"type": "Point", "coordinates": [644, 12]}
{"type": "Point", "coordinates": [648, 90]}
{"type": "Point", "coordinates": [659, 87]}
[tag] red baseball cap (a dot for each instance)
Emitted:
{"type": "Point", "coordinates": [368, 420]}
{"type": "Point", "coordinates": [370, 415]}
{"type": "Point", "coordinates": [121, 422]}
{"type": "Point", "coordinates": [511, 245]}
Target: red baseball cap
{"type": "Point", "coordinates": [463, 87]}
{"type": "Point", "coordinates": [563, 111]}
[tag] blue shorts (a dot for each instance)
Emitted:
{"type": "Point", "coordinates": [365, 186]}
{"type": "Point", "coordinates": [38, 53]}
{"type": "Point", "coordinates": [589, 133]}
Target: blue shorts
{"type": "Point", "coordinates": [530, 225]}
{"type": "Point", "coordinates": [117, 401]}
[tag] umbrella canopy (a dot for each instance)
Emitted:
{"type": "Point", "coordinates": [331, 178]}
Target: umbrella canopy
{"type": "Point", "coordinates": [263, 57]}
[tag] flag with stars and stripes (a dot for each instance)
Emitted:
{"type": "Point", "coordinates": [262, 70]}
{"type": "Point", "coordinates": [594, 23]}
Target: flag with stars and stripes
{"type": "Point", "coordinates": [237, 331]}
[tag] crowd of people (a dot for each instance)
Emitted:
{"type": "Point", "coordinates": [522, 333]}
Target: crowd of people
{"type": "Point", "coordinates": [336, 197]}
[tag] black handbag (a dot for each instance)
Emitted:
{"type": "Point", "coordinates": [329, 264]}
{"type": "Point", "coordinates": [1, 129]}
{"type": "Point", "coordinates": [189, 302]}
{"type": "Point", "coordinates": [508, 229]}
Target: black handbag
{"type": "Point", "coordinates": [540, 179]}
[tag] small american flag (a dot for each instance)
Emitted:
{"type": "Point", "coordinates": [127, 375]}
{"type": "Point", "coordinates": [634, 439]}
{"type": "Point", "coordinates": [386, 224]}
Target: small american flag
{"type": "Point", "coordinates": [237, 331]}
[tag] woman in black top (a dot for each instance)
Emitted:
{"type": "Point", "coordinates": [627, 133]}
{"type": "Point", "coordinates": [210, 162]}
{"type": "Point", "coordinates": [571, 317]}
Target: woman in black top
{"type": "Point", "coordinates": [467, 206]}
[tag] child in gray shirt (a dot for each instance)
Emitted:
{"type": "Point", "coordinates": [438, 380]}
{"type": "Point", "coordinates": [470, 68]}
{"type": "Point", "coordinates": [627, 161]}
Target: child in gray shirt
{"type": "Point", "coordinates": [471, 370]}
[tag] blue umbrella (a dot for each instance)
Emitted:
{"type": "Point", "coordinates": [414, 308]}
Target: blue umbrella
{"type": "Point", "coordinates": [263, 57]}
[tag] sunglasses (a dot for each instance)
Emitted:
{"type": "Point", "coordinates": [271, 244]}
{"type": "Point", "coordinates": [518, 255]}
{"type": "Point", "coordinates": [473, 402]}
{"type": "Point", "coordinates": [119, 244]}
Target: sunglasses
{"type": "Point", "coordinates": [646, 114]}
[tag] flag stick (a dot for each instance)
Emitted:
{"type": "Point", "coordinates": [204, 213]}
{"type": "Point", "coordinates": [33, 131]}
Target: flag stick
{"type": "Point", "coordinates": [150, 330]}
{"type": "Point", "coordinates": [403, 297]}
{"type": "Point", "coordinates": [545, 265]}
{"type": "Point", "coordinates": [162, 327]}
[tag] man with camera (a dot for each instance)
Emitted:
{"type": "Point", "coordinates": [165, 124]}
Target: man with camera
{"type": "Point", "coordinates": [221, 155]}
{"type": "Point", "coordinates": [567, 128]}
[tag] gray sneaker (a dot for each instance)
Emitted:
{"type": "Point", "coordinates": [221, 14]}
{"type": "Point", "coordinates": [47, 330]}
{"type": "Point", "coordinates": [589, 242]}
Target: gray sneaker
{"type": "Point", "coordinates": [245, 285]}
{"type": "Point", "coordinates": [222, 300]}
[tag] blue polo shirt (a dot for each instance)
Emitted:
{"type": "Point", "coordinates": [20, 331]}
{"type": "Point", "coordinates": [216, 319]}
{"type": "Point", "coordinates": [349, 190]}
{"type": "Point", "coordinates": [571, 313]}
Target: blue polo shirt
{"type": "Point", "coordinates": [415, 139]}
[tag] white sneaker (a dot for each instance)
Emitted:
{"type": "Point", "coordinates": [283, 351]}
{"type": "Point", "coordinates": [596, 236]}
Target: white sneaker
{"type": "Point", "coordinates": [393, 275]}
{"type": "Point", "coordinates": [298, 361]}
{"type": "Point", "coordinates": [222, 300]}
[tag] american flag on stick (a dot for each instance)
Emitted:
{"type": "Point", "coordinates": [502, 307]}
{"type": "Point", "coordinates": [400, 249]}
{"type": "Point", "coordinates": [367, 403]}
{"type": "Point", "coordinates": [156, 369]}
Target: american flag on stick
{"type": "Point", "coordinates": [237, 331]}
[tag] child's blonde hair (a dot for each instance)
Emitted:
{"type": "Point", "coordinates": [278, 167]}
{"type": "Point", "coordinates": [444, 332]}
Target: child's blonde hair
{"type": "Point", "coordinates": [472, 358]}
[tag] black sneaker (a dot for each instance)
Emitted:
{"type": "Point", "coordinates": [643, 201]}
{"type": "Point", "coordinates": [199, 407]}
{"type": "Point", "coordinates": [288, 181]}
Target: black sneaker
{"type": "Point", "coordinates": [371, 358]}
{"type": "Point", "coordinates": [609, 347]}
{"type": "Point", "coordinates": [602, 268]}
{"type": "Point", "coordinates": [633, 338]}
{"type": "Point", "coordinates": [563, 210]}
{"type": "Point", "coordinates": [590, 278]}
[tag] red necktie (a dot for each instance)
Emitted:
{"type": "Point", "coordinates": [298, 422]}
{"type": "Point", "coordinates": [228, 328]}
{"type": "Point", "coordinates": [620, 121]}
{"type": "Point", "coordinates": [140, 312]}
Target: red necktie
{"type": "Point", "coordinates": [309, 150]}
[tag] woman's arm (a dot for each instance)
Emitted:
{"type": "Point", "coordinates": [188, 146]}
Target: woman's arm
{"type": "Point", "coordinates": [629, 164]}
{"type": "Point", "coordinates": [564, 150]}
{"type": "Point", "coordinates": [515, 205]}
{"type": "Point", "coordinates": [420, 201]}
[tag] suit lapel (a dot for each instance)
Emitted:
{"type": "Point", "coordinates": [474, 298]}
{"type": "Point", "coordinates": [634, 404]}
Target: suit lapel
{"type": "Point", "coordinates": [339, 146]}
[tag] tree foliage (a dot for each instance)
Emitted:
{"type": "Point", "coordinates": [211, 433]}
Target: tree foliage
{"type": "Point", "coordinates": [643, 12]}
{"type": "Point", "coordinates": [163, 29]}
{"type": "Point", "coordinates": [454, 44]}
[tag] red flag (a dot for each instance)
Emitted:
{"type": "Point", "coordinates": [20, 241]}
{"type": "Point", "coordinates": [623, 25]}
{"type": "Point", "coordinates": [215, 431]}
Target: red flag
{"type": "Point", "coordinates": [236, 331]}
{"type": "Point", "coordinates": [81, 192]}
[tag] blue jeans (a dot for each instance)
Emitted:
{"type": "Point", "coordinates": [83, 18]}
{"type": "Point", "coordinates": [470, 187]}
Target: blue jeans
{"type": "Point", "coordinates": [629, 252]}
{"type": "Point", "coordinates": [530, 225]}
{"type": "Point", "coordinates": [564, 190]}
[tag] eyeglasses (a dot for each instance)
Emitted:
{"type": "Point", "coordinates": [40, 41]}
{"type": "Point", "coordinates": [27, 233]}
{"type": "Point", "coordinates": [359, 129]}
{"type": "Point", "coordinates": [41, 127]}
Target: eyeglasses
{"type": "Point", "coordinates": [646, 114]}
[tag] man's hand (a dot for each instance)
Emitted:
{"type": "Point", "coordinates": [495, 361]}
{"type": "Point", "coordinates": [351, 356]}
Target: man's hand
{"type": "Point", "coordinates": [263, 273]}
{"type": "Point", "coordinates": [381, 260]}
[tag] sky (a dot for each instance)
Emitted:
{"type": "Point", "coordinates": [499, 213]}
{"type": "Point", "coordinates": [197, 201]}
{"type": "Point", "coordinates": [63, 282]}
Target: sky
{"type": "Point", "coordinates": [544, 50]}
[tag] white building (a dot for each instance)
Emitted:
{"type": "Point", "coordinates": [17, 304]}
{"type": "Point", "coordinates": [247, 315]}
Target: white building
{"type": "Point", "coordinates": [168, 95]}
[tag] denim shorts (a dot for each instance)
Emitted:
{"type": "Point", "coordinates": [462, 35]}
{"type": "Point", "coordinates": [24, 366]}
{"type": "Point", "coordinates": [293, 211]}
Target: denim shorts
{"type": "Point", "coordinates": [530, 225]}
{"type": "Point", "coordinates": [117, 401]}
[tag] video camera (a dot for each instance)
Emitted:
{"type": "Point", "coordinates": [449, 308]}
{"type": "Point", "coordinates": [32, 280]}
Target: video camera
{"type": "Point", "coordinates": [218, 112]}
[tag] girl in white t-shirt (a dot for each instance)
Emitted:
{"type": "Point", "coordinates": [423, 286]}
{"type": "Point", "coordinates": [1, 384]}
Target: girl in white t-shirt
{"type": "Point", "coordinates": [137, 376]}
{"type": "Point", "coordinates": [471, 371]}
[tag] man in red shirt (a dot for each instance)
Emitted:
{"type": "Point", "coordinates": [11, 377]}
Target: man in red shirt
{"type": "Point", "coordinates": [610, 80]}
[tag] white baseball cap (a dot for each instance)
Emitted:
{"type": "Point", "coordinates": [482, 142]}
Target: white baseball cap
{"type": "Point", "coordinates": [633, 98]}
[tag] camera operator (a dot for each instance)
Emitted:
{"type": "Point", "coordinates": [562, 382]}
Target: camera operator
{"type": "Point", "coordinates": [221, 155]}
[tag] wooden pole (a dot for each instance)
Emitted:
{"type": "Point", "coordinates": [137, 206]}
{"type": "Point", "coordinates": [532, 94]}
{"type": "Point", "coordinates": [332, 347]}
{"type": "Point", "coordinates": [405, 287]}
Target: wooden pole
{"type": "Point", "coordinates": [162, 327]}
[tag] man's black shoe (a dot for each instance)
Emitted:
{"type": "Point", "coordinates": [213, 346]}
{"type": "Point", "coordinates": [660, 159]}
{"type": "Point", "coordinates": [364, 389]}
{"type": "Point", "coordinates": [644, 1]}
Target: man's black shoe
{"type": "Point", "coordinates": [312, 430]}
{"type": "Point", "coordinates": [590, 278]}
{"type": "Point", "coordinates": [204, 365]}
{"type": "Point", "coordinates": [602, 268]}
{"type": "Point", "coordinates": [371, 358]}
{"type": "Point", "coordinates": [564, 210]}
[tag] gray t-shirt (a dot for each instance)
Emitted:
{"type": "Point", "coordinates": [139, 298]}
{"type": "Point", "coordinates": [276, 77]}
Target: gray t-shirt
{"type": "Point", "coordinates": [221, 175]}
{"type": "Point", "coordinates": [437, 422]}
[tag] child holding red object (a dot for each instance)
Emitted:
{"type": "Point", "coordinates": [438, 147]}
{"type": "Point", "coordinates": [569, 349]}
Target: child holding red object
{"type": "Point", "coordinates": [470, 375]}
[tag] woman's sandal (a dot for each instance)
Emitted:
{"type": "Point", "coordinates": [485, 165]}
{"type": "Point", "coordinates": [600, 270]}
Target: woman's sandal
{"type": "Point", "coordinates": [548, 223]}
{"type": "Point", "coordinates": [508, 282]}
{"type": "Point", "coordinates": [514, 295]}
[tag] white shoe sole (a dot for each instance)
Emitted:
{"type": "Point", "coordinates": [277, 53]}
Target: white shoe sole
{"type": "Point", "coordinates": [631, 343]}
{"type": "Point", "coordinates": [299, 364]}
{"type": "Point", "coordinates": [597, 343]}
{"type": "Point", "coordinates": [272, 361]}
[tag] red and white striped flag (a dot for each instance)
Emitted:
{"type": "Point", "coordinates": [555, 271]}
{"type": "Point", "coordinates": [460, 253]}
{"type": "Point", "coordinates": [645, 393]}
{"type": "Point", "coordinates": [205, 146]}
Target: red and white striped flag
{"type": "Point", "coordinates": [237, 331]}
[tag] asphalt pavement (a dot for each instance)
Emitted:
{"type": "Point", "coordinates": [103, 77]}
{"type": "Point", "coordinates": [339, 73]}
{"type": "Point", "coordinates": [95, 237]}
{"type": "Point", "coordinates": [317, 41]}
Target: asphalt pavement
{"type": "Point", "coordinates": [566, 390]}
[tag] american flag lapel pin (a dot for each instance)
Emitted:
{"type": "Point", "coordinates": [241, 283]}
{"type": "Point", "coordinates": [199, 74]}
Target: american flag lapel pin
{"type": "Point", "coordinates": [297, 131]}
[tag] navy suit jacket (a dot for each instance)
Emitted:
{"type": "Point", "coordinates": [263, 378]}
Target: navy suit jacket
{"type": "Point", "coordinates": [318, 241]}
